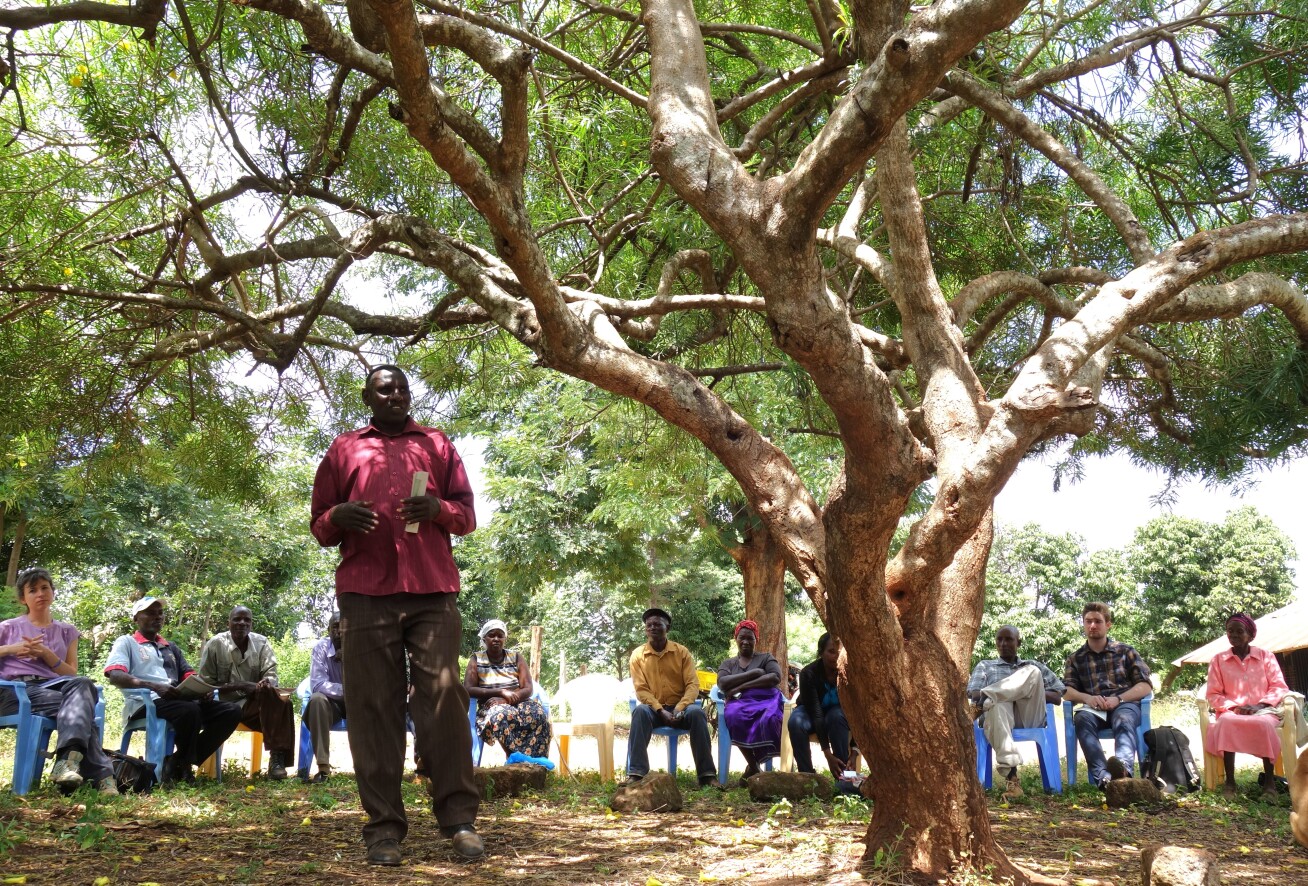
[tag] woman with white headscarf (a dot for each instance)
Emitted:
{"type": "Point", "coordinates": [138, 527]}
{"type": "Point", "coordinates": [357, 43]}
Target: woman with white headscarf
{"type": "Point", "coordinates": [506, 713]}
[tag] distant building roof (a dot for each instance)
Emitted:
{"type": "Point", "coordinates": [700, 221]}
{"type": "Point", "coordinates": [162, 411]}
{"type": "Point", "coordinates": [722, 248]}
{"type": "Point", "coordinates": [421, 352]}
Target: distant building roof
{"type": "Point", "coordinates": [1284, 630]}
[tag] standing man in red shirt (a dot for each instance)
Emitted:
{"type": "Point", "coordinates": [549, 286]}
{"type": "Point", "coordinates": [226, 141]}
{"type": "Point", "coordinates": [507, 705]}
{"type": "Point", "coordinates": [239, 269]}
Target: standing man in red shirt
{"type": "Point", "coordinates": [397, 589]}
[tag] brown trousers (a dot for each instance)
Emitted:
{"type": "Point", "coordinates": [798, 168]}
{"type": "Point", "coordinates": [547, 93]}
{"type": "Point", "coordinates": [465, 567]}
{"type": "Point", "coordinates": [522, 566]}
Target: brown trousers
{"type": "Point", "coordinates": [267, 712]}
{"type": "Point", "coordinates": [377, 632]}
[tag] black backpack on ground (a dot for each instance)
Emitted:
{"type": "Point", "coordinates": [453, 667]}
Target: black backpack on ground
{"type": "Point", "coordinates": [133, 774]}
{"type": "Point", "coordinates": [1168, 762]}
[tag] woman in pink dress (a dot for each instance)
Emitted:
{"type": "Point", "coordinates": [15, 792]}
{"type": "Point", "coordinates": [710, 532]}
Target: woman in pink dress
{"type": "Point", "coordinates": [1245, 689]}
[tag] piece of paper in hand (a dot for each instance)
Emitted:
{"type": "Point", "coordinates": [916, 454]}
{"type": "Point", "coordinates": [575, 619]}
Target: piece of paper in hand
{"type": "Point", "coordinates": [419, 488]}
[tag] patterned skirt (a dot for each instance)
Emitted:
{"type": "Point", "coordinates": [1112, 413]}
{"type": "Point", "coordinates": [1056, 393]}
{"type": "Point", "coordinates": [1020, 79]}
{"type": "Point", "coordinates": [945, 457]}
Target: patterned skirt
{"type": "Point", "coordinates": [522, 727]}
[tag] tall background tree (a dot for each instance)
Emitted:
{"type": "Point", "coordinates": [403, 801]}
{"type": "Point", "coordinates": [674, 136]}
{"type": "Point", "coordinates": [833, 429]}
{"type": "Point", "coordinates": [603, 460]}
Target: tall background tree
{"type": "Point", "coordinates": [1171, 589]}
{"type": "Point", "coordinates": [962, 231]}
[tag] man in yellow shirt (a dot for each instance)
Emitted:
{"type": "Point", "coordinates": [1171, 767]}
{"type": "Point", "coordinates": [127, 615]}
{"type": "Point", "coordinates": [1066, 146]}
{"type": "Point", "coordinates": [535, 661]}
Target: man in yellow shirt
{"type": "Point", "coordinates": [663, 674]}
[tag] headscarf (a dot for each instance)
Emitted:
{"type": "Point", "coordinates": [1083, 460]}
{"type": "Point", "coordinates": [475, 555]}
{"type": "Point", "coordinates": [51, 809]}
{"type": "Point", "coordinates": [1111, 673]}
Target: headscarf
{"type": "Point", "coordinates": [493, 625]}
{"type": "Point", "coordinates": [1250, 628]}
{"type": "Point", "coordinates": [746, 623]}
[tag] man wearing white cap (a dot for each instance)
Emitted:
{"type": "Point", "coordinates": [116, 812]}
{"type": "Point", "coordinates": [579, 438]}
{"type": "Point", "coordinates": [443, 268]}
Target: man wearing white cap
{"type": "Point", "coordinates": [145, 660]}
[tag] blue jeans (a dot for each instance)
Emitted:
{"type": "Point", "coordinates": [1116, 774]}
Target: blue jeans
{"type": "Point", "coordinates": [1124, 721]}
{"type": "Point", "coordinates": [643, 723]}
{"type": "Point", "coordinates": [800, 726]}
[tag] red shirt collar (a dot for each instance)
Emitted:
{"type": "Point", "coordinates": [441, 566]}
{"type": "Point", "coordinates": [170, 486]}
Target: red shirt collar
{"type": "Point", "coordinates": [141, 638]}
{"type": "Point", "coordinates": [410, 427]}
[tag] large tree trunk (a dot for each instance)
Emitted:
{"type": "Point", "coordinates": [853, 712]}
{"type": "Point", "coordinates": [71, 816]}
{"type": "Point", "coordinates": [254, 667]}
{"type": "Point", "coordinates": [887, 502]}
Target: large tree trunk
{"type": "Point", "coordinates": [902, 687]}
{"type": "Point", "coordinates": [763, 570]}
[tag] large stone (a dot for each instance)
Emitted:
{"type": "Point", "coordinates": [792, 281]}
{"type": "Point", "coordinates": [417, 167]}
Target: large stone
{"type": "Point", "coordinates": [794, 786]}
{"type": "Point", "coordinates": [656, 792]}
{"type": "Point", "coordinates": [1123, 792]}
{"type": "Point", "coordinates": [509, 781]}
{"type": "Point", "coordinates": [1178, 866]}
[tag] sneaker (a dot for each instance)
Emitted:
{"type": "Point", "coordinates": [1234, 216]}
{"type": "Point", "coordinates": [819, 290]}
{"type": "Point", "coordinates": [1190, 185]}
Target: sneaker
{"type": "Point", "coordinates": [107, 786]}
{"type": "Point", "coordinates": [1117, 769]}
{"type": "Point", "coordinates": [65, 772]}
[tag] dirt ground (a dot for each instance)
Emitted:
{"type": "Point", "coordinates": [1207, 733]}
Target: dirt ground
{"type": "Point", "coordinates": [259, 831]}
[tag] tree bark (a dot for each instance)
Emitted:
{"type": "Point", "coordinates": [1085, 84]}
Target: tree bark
{"type": "Point", "coordinates": [16, 553]}
{"type": "Point", "coordinates": [763, 570]}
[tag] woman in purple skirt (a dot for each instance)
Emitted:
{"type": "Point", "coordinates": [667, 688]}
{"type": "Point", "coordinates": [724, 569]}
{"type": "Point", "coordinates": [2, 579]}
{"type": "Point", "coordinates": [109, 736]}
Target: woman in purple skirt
{"type": "Point", "coordinates": [749, 681]}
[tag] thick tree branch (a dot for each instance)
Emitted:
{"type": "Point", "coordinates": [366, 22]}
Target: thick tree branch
{"type": "Point", "coordinates": [1118, 212]}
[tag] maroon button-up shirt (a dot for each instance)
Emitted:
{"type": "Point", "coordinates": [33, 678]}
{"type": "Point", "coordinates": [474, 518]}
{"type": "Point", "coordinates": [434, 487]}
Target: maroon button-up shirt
{"type": "Point", "coordinates": [367, 465]}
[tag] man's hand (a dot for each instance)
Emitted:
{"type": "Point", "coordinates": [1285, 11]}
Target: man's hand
{"type": "Point", "coordinates": [243, 687]}
{"type": "Point", "coordinates": [668, 718]}
{"type": "Point", "coordinates": [838, 766]}
{"type": "Point", "coordinates": [419, 509]}
{"type": "Point", "coordinates": [163, 690]}
{"type": "Point", "coordinates": [353, 516]}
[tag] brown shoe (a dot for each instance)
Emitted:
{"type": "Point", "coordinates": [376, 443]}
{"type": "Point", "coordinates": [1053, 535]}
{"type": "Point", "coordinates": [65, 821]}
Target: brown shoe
{"type": "Point", "coordinates": [1117, 769]}
{"type": "Point", "coordinates": [1013, 786]}
{"type": "Point", "coordinates": [466, 841]}
{"type": "Point", "coordinates": [385, 852]}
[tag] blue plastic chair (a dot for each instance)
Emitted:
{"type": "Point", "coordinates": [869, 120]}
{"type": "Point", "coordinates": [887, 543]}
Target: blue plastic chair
{"type": "Point", "coordinates": [672, 734]}
{"type": "Point", "coordinates": [537, 692]}
{"type": "Point", "coordinates": [724, 736]}
{"type": "Point", "coordinates": [159, 735]}
{"type": "Point", "coordinates": [1046, 739]}
{"type": "Point", "coordinates": [1069, 736]}
{"type": "Point", "coordinates": [32, 744]}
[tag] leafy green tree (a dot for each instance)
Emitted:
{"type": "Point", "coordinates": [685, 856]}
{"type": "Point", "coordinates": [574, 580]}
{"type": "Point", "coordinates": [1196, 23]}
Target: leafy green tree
{"type": "Point", "coordinates": [950, 233]}
{"type": "Point", "coordinates": [1034, 582]}
{"type": "Point", "coordinates": [1192, 576]}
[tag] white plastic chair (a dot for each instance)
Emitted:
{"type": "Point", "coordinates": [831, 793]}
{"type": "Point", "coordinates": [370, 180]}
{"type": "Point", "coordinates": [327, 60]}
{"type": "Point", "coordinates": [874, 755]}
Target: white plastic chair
{"type": "Point", "coordinates": [590, 700]}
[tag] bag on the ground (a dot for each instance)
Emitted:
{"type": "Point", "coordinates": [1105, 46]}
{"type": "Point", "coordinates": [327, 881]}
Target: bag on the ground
{"type": "Point", "coordinates": [1168, 762]}
{"type": "Point", "coordinates": [133, 774]}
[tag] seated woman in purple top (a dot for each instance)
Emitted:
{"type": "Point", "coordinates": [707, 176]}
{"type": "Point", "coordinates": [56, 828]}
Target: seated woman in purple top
{"type": "Point", "coordinates": [748, 681]}
{"type": "Point", "coordinates": [42, 652]}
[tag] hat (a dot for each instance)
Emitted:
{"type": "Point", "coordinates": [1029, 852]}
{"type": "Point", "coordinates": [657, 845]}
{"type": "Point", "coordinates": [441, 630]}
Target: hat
{"type": "Point", "coordinates": [656, 611]}
{"type": "Point", "coordinates": [143, 604]}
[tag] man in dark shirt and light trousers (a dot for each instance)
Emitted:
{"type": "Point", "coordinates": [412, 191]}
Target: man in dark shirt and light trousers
{"type": "Point", "coordinates": [397, 589]}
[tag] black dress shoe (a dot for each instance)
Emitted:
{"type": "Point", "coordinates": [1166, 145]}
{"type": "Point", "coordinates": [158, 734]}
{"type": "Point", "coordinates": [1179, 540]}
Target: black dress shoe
{"type": "Point", "coordinates": [385, 852]}
{"type": "Point", "coordinates": [467, 842]}
{"type": "Point", "coordinates": [276, 766]}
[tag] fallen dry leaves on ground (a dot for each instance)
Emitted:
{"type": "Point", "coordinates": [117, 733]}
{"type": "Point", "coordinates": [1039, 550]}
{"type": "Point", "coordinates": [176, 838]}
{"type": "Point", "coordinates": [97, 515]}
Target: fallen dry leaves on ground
{"type": "Point", "coordinates": [267, 832]}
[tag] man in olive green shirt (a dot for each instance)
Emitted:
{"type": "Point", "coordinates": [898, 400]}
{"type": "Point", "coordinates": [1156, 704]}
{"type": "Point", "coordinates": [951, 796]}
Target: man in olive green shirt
{"type": "Point", "coordinates": [663, 675]}
{"type": "Point", "coordinates": [241, 664]}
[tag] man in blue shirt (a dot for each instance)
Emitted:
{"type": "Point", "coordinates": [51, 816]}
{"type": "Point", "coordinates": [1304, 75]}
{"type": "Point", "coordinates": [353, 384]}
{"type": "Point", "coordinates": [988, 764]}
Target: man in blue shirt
{"type": "Point", "coordinates": [326, 705]}
{"type": "Point", "coordinates": [145, 660]}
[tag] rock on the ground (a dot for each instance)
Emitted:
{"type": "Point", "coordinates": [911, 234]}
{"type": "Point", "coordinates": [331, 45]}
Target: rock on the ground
{"type": "Point", "coordinates": [1123, 792]}
{"type": "Point", "coordinates": [656, 792]}
{"type": "Point", "coordinates": [1179, 866]}
{"type": "Point", "coordinates": [509, 781]}
{"type": "Point", "coordinates": [794, 786]}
